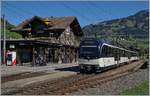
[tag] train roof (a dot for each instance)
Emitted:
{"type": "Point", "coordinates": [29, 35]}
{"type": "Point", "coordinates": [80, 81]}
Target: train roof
{"type": "Point", "coordinates": [118, 47]}
{"type": "Point", "coordinates": [107, 43]}
{"type": "Point", "coordinates": [98, 40]}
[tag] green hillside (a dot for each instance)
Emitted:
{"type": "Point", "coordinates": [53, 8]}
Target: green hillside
{"type": "Point", "coordinates": [9, 35]}
{"type": "Point", "coordinates": [131, 31]}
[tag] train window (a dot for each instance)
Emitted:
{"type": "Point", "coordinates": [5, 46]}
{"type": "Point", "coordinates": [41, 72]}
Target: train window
{"type": "Point", "coordinates": [122, 53]}
{"type": "Point", "coordinates": [88, 51]}
{"type": "Point", "coordinates": [108, 51]}
{"type": "Point", "coordinates": [104, 51]}
{"type": "Point", "coordinates": [135, 54]}
{"type": "Point", "coordinates": [129, 55]}
{"type": "Point", "coordinates": [126, 54]}
{"type": "Point", "coordinates": [116, 54]}
{"type": "Point", "coordinates": [111, 52]}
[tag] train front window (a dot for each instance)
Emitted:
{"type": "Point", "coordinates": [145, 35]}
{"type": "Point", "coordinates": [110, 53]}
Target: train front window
{"type": "Point", "coordinates": [88, 50]}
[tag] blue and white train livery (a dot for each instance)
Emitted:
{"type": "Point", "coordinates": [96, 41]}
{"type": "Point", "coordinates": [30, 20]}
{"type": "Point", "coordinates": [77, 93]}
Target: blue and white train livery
{"type": "Point", "coordinates": [97, 55]}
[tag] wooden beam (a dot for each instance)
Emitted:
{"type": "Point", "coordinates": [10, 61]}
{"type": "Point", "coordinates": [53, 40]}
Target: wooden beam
{"type": "Point", "coordinates": [33, 57]}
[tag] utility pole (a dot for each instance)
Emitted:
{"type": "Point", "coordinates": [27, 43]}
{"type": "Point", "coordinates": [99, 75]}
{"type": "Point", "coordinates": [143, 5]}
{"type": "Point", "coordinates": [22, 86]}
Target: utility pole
{"type": "Point", "coordinates": [4, 40]}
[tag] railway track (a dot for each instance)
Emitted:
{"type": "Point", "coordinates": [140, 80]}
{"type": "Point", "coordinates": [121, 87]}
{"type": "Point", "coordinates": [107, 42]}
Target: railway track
{"type": "Point", "coordinates": [77, 82]}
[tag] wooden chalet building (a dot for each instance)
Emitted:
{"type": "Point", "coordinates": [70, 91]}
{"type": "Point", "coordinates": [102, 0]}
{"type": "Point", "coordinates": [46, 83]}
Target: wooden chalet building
{"type": "Point", "coordinates": [47, 40]}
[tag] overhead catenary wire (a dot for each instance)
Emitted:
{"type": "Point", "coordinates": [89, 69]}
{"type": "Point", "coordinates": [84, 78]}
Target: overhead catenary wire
{"type": "Point", "coordinates": [23, 13]}
{"type": "Point", "coordinates": [75, 11]}
{"type": "Point", "coordinates": [94, 13]}
{"type": "Point", "coordinates": [28, 12]}
{"type": "Point", "coordinates": [100, 9]}
{"type": "Point", "coordinates": [21, 10]}
{"type": "Point", "coordinates": [84, 17]}
{"type": "Point", "coordinates": [14, 12]}
{"type": "Point", "coordinates": [19, 13]}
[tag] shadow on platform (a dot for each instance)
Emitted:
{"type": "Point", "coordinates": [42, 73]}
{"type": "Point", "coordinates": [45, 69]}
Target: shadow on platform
{"type": "Point", "coordinates": [145, 65]}
{"type": "Point", "coordinates": [73, 69]}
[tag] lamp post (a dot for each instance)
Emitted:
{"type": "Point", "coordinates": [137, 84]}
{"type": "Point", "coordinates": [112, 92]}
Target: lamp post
{"type": "Point", "coordinates": [4, 40]}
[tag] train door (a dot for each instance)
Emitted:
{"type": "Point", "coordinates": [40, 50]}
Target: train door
{"type": "Point", "coordinates": [103, 55]}
{"type": "Point", "coordinates": [129, 57]}
{"type": "Point", "coordinates": [117, 57]}
{"type": "Point", "coordinates": [105, 58]}
{"type": "Point", "coordinates": [112, 56]}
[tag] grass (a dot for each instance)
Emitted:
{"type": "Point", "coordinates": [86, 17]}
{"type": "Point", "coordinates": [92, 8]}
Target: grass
{"type": "Point", "coordinates": [142, 89]}
{"type": "Point", "coordinates": [143, 43]}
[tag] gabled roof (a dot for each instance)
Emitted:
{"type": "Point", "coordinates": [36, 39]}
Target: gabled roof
{"type": "Point", "coordinates": [55, 22]}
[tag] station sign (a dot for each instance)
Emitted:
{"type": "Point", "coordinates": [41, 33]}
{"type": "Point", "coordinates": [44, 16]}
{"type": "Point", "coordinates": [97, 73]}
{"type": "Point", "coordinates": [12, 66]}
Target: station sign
{"type": "Point", "coordinates": [11, 46]}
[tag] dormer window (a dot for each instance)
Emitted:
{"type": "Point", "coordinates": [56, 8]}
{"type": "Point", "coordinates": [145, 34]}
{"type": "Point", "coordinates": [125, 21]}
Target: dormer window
{"type": "Point", "coordinates": [37, 28]}
{"type": "Point", "coordinates": [51, 34]}
{"type": "Point", "coordinates": [68, 31]}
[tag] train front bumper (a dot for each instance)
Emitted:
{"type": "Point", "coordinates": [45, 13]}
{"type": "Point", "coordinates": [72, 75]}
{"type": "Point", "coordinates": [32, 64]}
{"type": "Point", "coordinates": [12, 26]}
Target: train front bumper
{"type": "Point", "coordinates": [89, 67]}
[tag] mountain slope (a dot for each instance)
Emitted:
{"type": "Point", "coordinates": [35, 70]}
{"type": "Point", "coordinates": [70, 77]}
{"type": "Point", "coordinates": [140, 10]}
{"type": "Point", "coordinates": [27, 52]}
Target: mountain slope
{"type": "Point", "coordinates": [9, 35]}
{"type": "Point", "coordinates": [131, 29]}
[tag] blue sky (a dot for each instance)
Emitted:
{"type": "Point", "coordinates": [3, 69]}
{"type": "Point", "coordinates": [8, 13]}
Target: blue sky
{"type": "Point", "coordinates": [87, 12]}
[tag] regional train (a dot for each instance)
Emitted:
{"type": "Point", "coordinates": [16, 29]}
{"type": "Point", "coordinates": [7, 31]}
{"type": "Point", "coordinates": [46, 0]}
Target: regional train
{"type": "Point", "coordinates": [96, 55]}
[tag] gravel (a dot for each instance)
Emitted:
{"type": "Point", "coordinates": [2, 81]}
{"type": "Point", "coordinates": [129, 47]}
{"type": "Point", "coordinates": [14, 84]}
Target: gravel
{"type": "Point", "coordinates": [115, 87]}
